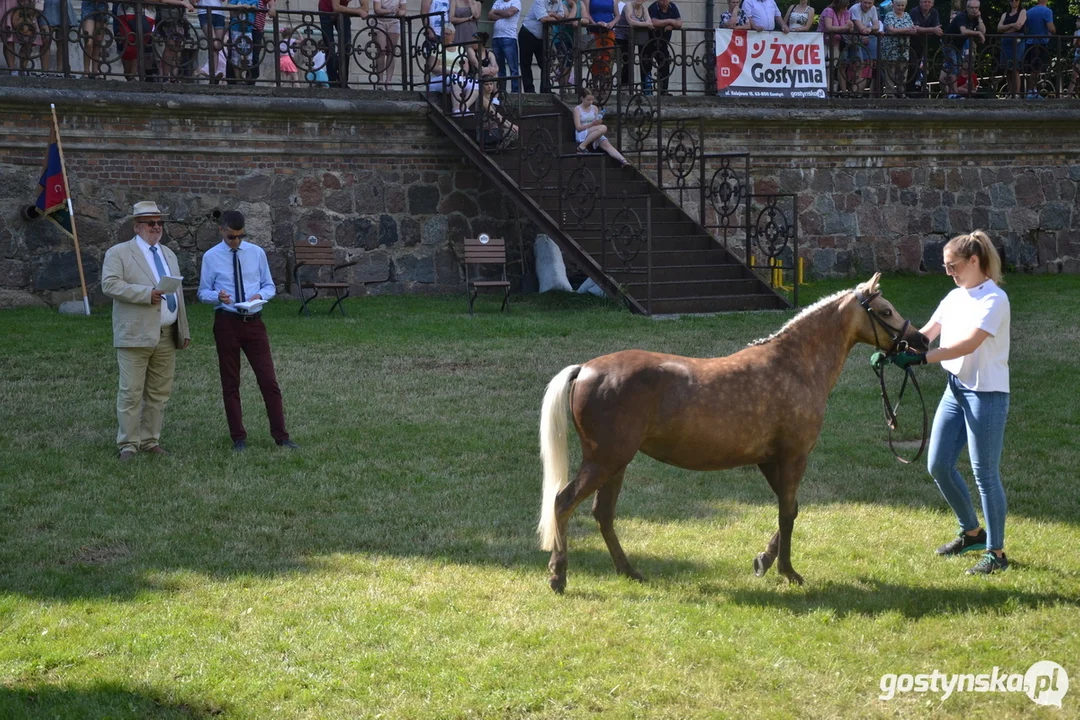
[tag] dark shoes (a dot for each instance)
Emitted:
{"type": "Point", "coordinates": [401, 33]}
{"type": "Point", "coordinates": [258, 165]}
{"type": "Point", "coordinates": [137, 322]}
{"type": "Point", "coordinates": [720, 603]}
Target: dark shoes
{"type": "Point", "coordinates": [963, 543]}
{"type": "Point", "coordinates": [990, 563]}
{"type": "Point", "coordinates": [157, 450]}
{"type": "Point", "coordinates": [126, 455]}
{"type": "Point", "coordinates": [241, 445]}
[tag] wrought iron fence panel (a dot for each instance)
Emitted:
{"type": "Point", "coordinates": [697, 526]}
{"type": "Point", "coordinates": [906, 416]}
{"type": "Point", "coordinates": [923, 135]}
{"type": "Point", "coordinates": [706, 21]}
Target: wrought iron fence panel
{"type": "Point", "coordinates": [538, 152]}
{"type": "Point", "coordinates": [725, 192]}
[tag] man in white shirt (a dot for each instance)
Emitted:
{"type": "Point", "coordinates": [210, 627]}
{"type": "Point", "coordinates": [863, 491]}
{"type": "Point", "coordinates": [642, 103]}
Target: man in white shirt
{"type": "Point", "coordinates": [764, 15]}
{"type": "Point", "coordinates": [531, 40]}
{"type": "Point", "coordinates": [504, 39]}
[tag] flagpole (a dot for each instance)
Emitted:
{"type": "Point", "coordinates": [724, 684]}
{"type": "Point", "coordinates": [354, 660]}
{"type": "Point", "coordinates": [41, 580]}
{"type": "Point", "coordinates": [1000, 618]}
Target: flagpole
{"type": "Point", "coordinates": [71, 211]}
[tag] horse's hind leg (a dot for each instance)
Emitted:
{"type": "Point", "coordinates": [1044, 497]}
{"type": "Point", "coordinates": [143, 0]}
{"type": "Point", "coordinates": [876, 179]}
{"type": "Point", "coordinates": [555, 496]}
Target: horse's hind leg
{"type": "Point", "coordinates": [603, 510]}
{"type": "Point", "coordinates": [765, 560]}
{"type": "Point", "coordinates": [589, 478]}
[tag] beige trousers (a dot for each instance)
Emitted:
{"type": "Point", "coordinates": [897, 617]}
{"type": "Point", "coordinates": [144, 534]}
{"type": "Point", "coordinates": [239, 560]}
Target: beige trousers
{"type": "Point", "coordinates": [146, 380]}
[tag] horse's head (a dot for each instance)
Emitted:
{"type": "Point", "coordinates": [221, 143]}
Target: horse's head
{"type": "Point", "coordinates": [881, 325]}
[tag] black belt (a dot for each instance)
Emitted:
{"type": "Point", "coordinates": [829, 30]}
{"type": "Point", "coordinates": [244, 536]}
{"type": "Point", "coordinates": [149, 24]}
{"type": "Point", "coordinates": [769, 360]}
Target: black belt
{"type": "Point", "coordinates": [244, 317]}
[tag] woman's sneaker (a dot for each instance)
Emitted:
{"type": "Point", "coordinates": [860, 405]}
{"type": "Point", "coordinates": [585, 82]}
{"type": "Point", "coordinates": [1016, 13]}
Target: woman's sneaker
{"type": "Point", "coordinates": [964, 543]}
{"type": "Point", "coordinates": [990, 563]}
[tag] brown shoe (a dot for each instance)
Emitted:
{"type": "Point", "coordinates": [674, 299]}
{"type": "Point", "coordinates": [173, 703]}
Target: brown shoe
{"type": "Point", "coordinates": [157, 450]}
{"type": "Point", "coordinates": [126, 455]}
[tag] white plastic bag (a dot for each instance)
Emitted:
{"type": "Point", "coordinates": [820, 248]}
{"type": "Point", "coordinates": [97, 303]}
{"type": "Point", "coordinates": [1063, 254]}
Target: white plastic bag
{"type": "Point", "coordinates": [550, 268]}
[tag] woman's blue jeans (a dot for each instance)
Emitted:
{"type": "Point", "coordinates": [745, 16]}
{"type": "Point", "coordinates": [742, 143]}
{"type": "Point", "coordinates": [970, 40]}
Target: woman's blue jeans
{"type": "Point", "coordinates": [975, 419]}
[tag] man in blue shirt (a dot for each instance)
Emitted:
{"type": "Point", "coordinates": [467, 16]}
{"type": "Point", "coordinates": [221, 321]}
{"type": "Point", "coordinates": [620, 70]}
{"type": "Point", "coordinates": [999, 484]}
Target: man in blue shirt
{"type": "Point", "coordinates": [665, 19]}
{"type": "Point", "coordinates": [234, 273]}
{"type": "Point", "coordinates": [1039, 25]}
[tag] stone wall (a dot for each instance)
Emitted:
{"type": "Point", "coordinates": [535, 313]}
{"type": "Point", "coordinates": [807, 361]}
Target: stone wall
{"type": "Point", "coordinates": [881, 187]}
{"type": "Point", "coordinates": [374, 176]}
{"type": "Point", "coordinates": [884, 186]}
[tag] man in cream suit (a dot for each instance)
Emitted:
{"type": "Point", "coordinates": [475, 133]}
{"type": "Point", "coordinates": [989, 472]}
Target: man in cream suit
{"type": "Point", "coordinates": [148, 328]}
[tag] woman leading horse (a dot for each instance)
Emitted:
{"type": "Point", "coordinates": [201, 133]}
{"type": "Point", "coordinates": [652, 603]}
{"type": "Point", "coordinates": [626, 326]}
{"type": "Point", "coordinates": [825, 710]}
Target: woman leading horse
{"type": "Point", "coordinates": [762, 406]}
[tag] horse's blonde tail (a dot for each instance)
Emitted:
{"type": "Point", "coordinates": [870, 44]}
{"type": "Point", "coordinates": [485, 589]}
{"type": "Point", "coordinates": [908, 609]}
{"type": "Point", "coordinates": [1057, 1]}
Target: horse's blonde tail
{"type": "Point", "coordinates": [553, 450]}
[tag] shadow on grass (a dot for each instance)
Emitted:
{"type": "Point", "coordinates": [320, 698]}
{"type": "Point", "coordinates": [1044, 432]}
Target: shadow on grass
{"type": "Point", "coordinates": [869, 597]}
{"type": "Point", "coordinates": [100, 701]}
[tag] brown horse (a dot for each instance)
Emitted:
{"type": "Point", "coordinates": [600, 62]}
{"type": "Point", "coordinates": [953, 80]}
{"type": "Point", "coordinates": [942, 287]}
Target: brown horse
{"type": "Point", "coordinates": [762, 406]}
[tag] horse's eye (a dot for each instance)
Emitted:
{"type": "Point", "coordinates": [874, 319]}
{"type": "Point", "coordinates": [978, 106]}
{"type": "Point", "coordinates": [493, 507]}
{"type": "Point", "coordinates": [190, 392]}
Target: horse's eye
{"type": "Point", "coordinates": [886, 313]}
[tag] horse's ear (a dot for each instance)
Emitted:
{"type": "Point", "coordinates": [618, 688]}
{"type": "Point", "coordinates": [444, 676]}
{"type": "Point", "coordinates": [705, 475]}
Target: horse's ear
{"type": "Point", "coordinates": [871, 285]}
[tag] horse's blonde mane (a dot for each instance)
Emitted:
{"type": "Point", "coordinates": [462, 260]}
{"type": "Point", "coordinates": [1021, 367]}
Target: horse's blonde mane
{"type": "Point", "coordinates": [823, 302]}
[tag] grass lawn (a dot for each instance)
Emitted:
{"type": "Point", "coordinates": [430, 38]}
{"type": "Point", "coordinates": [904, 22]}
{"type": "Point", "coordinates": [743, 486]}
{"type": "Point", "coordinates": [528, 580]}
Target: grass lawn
{"type": "Point", "coordinates": [390, 568]}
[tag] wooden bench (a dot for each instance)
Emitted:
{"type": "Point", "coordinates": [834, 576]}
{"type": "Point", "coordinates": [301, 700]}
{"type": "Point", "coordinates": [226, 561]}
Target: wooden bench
{"type": "Point", "coordinates": [485, 251]}
{"type": "Point", "coordinates": [318, 254]}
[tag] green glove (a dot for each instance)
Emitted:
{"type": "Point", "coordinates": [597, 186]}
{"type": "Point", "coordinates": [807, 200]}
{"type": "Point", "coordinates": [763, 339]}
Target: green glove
{"type": "Point", "coordinates": [878, 360]}
{"type": "Point", "coordinates": [905, 359]}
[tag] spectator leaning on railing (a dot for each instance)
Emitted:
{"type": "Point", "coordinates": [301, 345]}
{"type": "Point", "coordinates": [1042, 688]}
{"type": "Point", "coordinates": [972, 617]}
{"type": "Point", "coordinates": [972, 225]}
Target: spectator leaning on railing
{"type": "Point", "coordinates": [927, 22]}
{"type": "Point", "coordinates": [800, 16]}
{"type": "Point", "coordinates": [965, 26]}
{"type": "Point", "coordinates": [1040, 24]}
{"type": "Point", "coordinates": [328, 19]}
{"type": "Point", "coordinates": [1011, 25]}
{"type": "Point", "coordinates": [835, 21]}
{"type": "Point", "coordinates": [665, 19]}
{"type": "Point", "coordinates": [504, 38]}
{"type": "Point", "coordinates": [764, 15]}
{"type": "Point", "coordinates": [865, 48]}
{"type": "Point", "coordinates": [531, 39]}
{"type": "Point", "coordinates": [734, 18]}
{"type": "Point", "coordinates": [894, 46]}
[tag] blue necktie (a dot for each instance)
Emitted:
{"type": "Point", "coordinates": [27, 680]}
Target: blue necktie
{"type": "Point", "coordinates": [169, 299]}
{"type": "Point", "coordinates": [237, 276]}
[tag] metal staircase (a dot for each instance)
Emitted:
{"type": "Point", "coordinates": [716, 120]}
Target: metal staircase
{"type": "Point", "coordinates": [621, 226]}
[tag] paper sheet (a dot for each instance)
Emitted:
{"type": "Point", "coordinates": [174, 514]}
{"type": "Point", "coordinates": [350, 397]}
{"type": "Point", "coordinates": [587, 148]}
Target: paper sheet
{"type": "Point", "coordinates": [169, 284]}
{"type": "Point", "coordinates": [251, 305]}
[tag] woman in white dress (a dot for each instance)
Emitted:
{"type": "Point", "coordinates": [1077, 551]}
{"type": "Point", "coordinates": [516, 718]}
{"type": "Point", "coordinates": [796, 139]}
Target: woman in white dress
{"type": "Point", "coordinates": [590, 129]}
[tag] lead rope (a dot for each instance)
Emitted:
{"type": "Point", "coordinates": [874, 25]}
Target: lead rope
{"type": "Point", "coordinates": [892, 410]}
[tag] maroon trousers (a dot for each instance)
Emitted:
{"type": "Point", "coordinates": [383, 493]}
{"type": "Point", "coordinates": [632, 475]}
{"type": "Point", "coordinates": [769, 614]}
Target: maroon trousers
{"type": "Point", "coordinates": [231, 335]}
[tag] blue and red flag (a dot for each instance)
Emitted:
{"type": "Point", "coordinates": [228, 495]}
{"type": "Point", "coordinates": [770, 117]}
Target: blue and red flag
{"type": "Point", "coordinates": [52, 201]}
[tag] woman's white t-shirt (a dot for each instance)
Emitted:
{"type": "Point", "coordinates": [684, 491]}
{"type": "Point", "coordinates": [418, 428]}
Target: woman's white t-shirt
{"type": "Point", "coordinates": [983, 307]}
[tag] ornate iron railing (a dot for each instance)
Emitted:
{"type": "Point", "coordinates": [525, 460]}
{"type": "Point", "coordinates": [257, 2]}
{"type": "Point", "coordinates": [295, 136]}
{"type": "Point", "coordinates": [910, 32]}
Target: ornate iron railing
{"type": "Point", "coordinates": [923, 66]}
{"type": "Point", "coordinates": [152, 41]}
{"type": "Point", "coordinates": [155, 42]}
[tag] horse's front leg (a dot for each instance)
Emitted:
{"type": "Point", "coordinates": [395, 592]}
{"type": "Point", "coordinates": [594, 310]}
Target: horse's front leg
{"type": "Point", "coordinates": [789, 510]}
{"type": "Point", "coordinates": [784, 478]}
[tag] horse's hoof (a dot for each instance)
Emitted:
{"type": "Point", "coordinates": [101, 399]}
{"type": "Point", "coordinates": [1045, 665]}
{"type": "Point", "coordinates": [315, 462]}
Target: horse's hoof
{"type": "Point", "coordinates": [762, 563]}
{"type": "Point", "coordinates": [558, 584]}
{"type": "Point", "coordinates": [635, 576]}
{"type": "Point", "coordinates": [794, 578]}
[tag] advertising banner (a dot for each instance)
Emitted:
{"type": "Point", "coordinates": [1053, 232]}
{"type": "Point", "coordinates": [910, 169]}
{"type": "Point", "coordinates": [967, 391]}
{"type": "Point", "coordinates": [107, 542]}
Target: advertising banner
{"type": "Point", "coordinates": [752, 64]}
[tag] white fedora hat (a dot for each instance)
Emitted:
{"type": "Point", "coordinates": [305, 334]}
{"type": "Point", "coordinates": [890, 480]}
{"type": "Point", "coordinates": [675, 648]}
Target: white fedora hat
{"type": "Point", "coordinates": [146, 208]}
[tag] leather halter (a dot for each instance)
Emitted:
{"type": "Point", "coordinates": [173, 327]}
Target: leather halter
{"type": "Point", "coordinates": [898, 345]}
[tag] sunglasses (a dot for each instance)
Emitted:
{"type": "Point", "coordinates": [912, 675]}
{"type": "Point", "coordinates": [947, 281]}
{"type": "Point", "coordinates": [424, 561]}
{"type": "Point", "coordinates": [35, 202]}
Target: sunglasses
{"type": "Point", "coordinates": [241, 236]}
{"type": "Point", "coordinates": [153, 223]}
{"type": "Point", "coordinates": [951, 267]}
